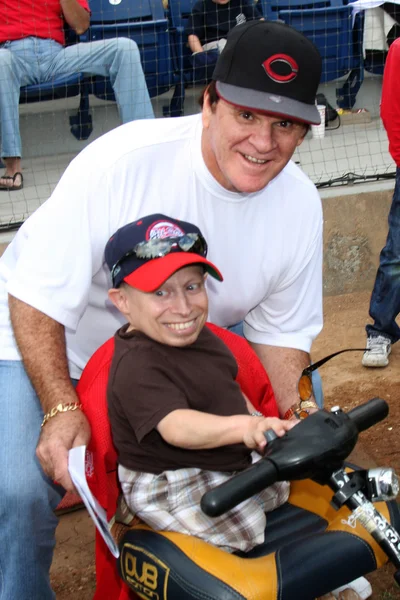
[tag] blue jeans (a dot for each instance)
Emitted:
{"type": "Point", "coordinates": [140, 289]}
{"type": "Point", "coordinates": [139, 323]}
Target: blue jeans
{"type": "Point", "coordinates": [35, 60]}
{"type": "Point", "coordinates": [385, 299]}
{"type": "Point", "coordinates": [316, 377]}
{"type": "Point", "coordinates": [27, 497]}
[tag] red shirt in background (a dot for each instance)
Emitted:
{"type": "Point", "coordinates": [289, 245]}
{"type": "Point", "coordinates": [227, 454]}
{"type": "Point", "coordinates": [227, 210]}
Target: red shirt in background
{"type": "Point", "coordinates": [39, 18]}
{"type": "Point", "coordinates": [390, 103]}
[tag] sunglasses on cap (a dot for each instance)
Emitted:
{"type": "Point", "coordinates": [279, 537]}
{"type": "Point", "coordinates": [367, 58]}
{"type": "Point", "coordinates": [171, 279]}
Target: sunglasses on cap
{"type": "Point", "coordinates": [159, 247]}
{"type": "Point", "coordinates": [305, 387]}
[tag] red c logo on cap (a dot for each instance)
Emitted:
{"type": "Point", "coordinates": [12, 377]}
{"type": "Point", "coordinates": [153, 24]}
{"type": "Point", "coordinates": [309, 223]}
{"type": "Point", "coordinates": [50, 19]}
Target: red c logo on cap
{"type": "Point", "coordinates": [281, 59]}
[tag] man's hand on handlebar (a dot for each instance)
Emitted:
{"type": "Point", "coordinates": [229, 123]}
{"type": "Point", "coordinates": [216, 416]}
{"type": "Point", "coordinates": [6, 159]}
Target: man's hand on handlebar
{"type": "Point", "coordinates": [254, 437]}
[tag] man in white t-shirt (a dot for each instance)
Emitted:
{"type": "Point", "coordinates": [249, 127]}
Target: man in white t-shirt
{"type": "Point", "coordinates": [229, 171]}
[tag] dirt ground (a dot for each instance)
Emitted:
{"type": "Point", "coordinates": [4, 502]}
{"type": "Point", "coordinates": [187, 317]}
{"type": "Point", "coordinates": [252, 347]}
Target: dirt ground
{"type": "Point", "coordinates": [346, 383]}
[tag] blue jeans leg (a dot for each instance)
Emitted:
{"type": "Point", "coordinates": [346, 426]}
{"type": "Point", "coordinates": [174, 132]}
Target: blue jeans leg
{"type": "Point", "coordinates": [35, 60]}
{"type": "Point", "coordinates": [385, 298]}
{"type": "Point", "coordinates": [317, 388]}
{"type": "Point", "coordinates": [316, 377]}
{"type": "Point", "coordinates": [27, 497]}
{"type": "Point", "coordinates": [118, 59]}
{"type": "Point", "coordinates": [17, 68]}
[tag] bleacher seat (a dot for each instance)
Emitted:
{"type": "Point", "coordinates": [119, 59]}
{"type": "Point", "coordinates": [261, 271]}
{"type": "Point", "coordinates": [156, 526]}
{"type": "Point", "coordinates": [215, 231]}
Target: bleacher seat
{"type": "Point", "coordinates": [178, 12]}
{"type": "Point", "coordinates": [143, 21]}
{"type": "Point", "coordinates": [329, 24]}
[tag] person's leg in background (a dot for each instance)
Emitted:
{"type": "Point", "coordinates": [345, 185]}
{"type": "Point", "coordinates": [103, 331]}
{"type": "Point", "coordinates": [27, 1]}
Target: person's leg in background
{"type": "Point", "coordinates": [385, 298]}
{"type": "Point", "coordinates": [27, 497]}
{"type": "Point", "coordinates": [316, 377]}
{"type": "Point", "coordinates": [17, 68]}
{"type": "Point", "coordinates": [317, 388]}
{"type": "Point", "coordinates": [204, 63]}
{"type": "Point", "coordinates": [118, 59]}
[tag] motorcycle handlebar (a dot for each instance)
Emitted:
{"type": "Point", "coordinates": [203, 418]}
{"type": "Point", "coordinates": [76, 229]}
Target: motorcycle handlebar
{"type": "Point", "coordinates": [368, 414]}
{"type": "Point", "coordinates": [242, 486]}
{"type": "Point", "coordinates": [265, 473]}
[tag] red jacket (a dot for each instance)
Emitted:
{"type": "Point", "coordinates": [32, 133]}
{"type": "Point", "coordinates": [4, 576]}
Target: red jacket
{"type": "Point", "coordinates": [25, 18]}
{"type": "Point", "coordinates": [390, 103]}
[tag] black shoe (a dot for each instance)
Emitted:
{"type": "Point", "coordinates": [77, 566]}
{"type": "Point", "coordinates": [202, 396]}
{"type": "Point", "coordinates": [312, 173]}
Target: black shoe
{"type": "Point", "coordinates": [330, 112]}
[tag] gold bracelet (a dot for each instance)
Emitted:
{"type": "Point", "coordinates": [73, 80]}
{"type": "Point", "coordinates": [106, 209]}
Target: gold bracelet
{"type": "Point", "coordinates": [300, 410]}
{"type": "Point", "coordinates": [60, 408]}
{"type": "Point", "coordinates": [295, 411]}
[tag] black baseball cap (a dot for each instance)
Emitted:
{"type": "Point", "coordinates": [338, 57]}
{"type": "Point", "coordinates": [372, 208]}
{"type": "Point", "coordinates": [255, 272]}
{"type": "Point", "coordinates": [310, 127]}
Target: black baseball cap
{"type": "Point", "coordinates": [269, 66]}
{"type": "Point", "coordinates": [128, 263]}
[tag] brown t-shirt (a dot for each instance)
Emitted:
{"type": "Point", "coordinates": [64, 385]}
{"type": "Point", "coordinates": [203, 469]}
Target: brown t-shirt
{"type": "Point", "coordinates": [148, 380]}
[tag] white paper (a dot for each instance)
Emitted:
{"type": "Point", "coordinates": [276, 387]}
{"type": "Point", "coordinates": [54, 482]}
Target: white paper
{"type": "Point", "coordinates": [377, 23]}
{"type": "Point", "coordinates": [76, 467]}
{"type": "Point", "coordinates": [365, 4]}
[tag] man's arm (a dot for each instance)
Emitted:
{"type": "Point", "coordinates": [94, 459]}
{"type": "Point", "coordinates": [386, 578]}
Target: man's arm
{"type": "Point", "coordinates": [194, 43]}
{"type": "Point", "coordinates": [292, 312]}
{"type": "Point", "coordinates": [41, 342]}
{"type": "Point", "coordinates": [75, 15]}
{"type": "Point", "coordinates": [284, 367]}
{"type": "Point", "coordinates": [195, 27]}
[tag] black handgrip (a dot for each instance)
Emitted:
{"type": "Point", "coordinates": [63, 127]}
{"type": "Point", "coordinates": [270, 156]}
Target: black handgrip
{"type": "Point", "coordinates": [241, 487]}
{"type": "Point", "coordinates": [368, 414]}
{"type": "Point", "coordinates": [270, 435]}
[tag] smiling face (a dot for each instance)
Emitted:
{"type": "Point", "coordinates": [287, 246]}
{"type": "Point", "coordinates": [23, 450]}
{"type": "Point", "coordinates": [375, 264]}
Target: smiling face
{"type": "Point", "coordinates": [174, 314]}
{"type": "Point", "coordinates": [243, 149]}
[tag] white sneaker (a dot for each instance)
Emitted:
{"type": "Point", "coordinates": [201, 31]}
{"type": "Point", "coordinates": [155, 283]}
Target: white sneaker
{"type": "Point", "coordinates": [377, 353]}
{"type": "Point", "coordinates": [361, 586]}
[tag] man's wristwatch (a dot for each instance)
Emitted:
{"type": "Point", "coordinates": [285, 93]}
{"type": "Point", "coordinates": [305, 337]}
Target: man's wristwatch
{"type": "Point", "coordinates": [256, 413]}
{"type": "Point", "coordinates": [301, 410]}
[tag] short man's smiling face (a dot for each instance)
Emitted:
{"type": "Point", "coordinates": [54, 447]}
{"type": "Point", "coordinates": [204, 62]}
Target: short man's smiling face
{"type": "Point", "coordinates": [243, 149]}
{"type": "Point", "coordinates": [174, 314]}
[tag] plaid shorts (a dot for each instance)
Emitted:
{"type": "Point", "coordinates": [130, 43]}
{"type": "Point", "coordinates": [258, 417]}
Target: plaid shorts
{"type": "Point", "coordinates": [171, 502]}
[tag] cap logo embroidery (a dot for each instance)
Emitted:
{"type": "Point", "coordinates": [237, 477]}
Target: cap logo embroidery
{"type": "Point", "coordinates": [281, 68]}
{"type": "Point", "coordinates": [163, 229]}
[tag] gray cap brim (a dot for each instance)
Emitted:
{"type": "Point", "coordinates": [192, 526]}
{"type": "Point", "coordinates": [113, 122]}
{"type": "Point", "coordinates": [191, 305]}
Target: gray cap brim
{"type": "Point", "coordinates": [271, 103]}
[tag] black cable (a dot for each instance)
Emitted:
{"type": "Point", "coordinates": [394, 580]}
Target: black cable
{"type": "Point", "coordinates": [10, 226]}
{"type": "Point", "coordinates": [337, 126]}
{"type": "Point", "coordinates": [352, 178]}
{"type": "Point", "coordinates": [347, 179]}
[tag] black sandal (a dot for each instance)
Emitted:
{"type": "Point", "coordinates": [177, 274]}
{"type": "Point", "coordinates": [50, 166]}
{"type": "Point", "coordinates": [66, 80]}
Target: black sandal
{"type": "Point", "coordinates": [12, 187]}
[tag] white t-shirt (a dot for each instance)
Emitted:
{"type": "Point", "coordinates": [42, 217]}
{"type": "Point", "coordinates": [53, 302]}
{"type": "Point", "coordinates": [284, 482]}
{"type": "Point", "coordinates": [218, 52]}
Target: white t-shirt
{"type": "Point", "coordinates": [268, 244]}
